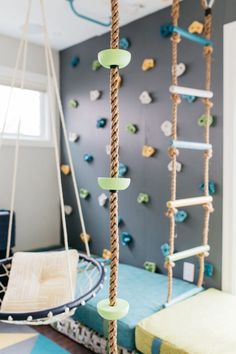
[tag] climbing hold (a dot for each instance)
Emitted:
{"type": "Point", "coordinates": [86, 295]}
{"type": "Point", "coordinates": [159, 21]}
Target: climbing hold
{"type": "Point", "coordinates": [148, 64]}
{"type": "Point", "coordinates": [124, 43]}
{"type": "Point", "coordinates": [145, 97]}
{"type": "Point", "coordinates": [88, 158]}
{"type": "Point", "coordinates": [178, 166]}
{"type": "Point", "coordinates": [84, 193]}
{"type": "Point", "coordinates": [120, 81]}
{"type": "Point", "coordinates": [95, 95]}
{"type": "Point", "coordinates": [73, 137]}
{"type": "Point", "coordinates": [180, 69]}
{"type": "Point", "coordinates": [165, 249]}
{"type": "Point", "coordinates": [120, 221]}
{"type": "Point", "coordinates": [96, 65]}
{"type": "Point", "coordinates": [166, 127]}
{"type": "Point", "coordinates": [68, 209]}
{"type": "Point", "coordinates": [114, 57]}
{"type": "Point", "coordinates": [74, 61]}
{"type": "Point", "coordinates": [108, 149]}
{"type": "Point", "coordinates": [202, 121]}
{"type": "Point", "coordinates": [65, 169]}
{"type": "Point", "coordinates": [150, 266]}
{"type": "Point", "coordinates": [208, 270]}
{"type": "Point", "coordinates": [73, 103]}
{"type": "Point", "coordinates": [113, 313]}
{"type": "Point", "coordinates": [106, 254]}
{"type": "Point", "coordinates": [181, 216]}
{"type": "Point", "coordinates": [166, 30]}
{"type": "Point", "coordinates": [123, 169]}
{"type": "Point", "coordinates": [189, 98]}
{"type": "Point", "coordinates": [211, 187]}
{"type": "Point", "coordinates": [85, 237]}
{"type": "Point", "coordinates": [131, 128]}
{"type": "Point", "coordinates": [102, 199]}
{"type": "Point", "coordinates": [148, 151]}
{"type": "Point", "coordinates": [196, 27]}
{"type": "Point", "coordinates": [101, 123]}
{"type": "Point", "coordinates": [143, 198]}
{"type": "Point", "coordinates": [126, 238]}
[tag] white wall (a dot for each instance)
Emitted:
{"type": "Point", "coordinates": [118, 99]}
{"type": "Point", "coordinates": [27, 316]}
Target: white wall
{"type": "Point", "coordinates": [37, 201]}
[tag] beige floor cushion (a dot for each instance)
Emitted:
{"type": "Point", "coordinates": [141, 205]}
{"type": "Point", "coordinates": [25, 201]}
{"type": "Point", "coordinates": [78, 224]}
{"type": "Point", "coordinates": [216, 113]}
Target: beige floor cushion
{"type": "Point", "coordinates": [40, 281]}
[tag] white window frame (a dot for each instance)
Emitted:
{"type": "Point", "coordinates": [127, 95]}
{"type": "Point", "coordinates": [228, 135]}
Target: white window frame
{"type": "Point", "coordinates": [229, 162]}
{"type": "Point", "coordinates": [37, 82]}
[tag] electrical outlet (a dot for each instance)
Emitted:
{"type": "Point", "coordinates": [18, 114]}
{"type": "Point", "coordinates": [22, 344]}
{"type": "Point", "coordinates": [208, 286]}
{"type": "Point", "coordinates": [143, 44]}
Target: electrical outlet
{"type": "Point", "coordinates": [188, 273]}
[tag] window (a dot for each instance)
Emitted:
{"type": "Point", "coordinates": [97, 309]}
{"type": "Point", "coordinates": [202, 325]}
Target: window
{"type": "Point", "coordinates": [27, 106]}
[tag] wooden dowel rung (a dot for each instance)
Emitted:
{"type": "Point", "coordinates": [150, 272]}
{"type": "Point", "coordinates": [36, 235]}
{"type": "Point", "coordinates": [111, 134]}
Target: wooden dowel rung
{"type": "Point", "coordinates": [190, 91]}
{"type": "Point", "coordinates": [187, 253]}
{"type": "Point", "coordinates": [188, 202]}
{"type": "Point", "coordinates": [190, 145]}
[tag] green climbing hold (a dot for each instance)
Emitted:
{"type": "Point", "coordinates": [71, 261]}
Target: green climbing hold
{"type": "Point", "coordinates": [150, 266]}
{"type": "Point", "coordinates": [84, 193]}
{"type": "Point", "coordinates": [96, 65]}
{"type": "Point", "coordinates": [113, 184]}
{"type": "Point", "coordinates": [113, 313]}
{"type": "Point", "coordinates": [143, 198]}
{"type": "Point", "coordinates": [202, 121]}
{"type": "Point", "coordinates": [114, 57]}
{"type": "Point", "coordinates": [73, 103]}
{"type": "Point", "coordinates": [131, 128]}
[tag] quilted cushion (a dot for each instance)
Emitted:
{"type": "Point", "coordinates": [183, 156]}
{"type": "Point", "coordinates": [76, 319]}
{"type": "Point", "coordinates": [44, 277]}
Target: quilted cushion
{"type": "Point", "coordinates": [39, 281]}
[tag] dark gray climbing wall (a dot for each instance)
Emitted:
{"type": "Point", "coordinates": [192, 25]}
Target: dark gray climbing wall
{"type": "Point", "coordinates": [147, 223]}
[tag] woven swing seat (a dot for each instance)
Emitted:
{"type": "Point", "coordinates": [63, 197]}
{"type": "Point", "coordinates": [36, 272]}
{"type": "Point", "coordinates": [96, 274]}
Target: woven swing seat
{"type": "Point", "coordinates": [35, 287]}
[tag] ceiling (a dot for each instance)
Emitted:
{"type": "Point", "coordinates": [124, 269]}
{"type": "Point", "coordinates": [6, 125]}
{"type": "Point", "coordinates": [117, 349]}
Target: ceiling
{"type": "Point", "coordinates": [65, 29]}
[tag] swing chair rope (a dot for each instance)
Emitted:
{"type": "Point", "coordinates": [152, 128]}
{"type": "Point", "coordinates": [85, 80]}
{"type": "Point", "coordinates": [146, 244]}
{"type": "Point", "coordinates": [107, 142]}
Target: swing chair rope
{"type": "Point", "coordinates": [24, 46]}
{"type": "Point", "coordinates": [114, 165]}
{"type": "Point", "coordinates": [61, 113]}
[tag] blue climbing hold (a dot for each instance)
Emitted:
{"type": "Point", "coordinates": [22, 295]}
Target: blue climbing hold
{"type": "Point", "coordinates": [88, 158]}
{"type": "Point", "coordinates": [166, 30]}
{"type": "Point", "coordinates": [181, 216]}
{"type": "Point", "coordinates": [211, 187]}
{"type": "Point", "coordinates": [208, 270]}
{"type": "Point", "coordinates": [74, 62]}
{"type": "Point", "coordinates": [126, 238]}
{"type": "Point", "coordinates": [165, 249]}
{"type": "Point", "coordinates": [123, 169]}
{"type": "Point", "coordinates": [101, 123]}
{"type": "Point", "coordinates": [189, 99]}
{"type": "Point", "coordinates": [124, 43]}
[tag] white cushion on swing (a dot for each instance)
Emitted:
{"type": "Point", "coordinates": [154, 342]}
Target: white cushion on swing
{"type": "Point", "coordinates": [40, 281]}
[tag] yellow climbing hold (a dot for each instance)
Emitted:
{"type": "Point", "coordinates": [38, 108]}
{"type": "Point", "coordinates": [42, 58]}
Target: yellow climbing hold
{"type": "Point", "coordinates": [148, 151]}
{"type": "Point", "coordinates": [65, 169]}
{"type": "Point", "coordinates": [106, 254]}
{"type": "Point", "coordinates": [85, 237]}
{"type": "Point", "coordinates": [148, 64]}
{"type": "Point", "coordinates": [196, 27]}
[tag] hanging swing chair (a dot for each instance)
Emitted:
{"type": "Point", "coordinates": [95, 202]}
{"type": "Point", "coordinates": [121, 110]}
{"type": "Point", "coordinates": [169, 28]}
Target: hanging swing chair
{"type": "Point", "coordinates": [41, 288]}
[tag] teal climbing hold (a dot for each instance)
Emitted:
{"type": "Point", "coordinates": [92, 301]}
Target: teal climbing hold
{"type": "Point", "coordinates": [150, 266]}
{"type": "Point", "coordinates": [126, 238]}
{"type": "Point", "coordinates": [96, 65]}
{"type": "Point", "coordinates": [165, 249]}
{"type": "Point", "coordinates": [211, 187]}
{"type": "Point", "coordinates": [88, 158]}
{"type": "Point", "coordinates": [208, 270]}
{"type": "Point", "coordinates": [124, 43]}
{"type": "Point", "coordinates": [120, 221]}
{"type": "Point", "coordinates": [202, 121]}
{"type": "Point", "coordinates": [123, 169]}
{"type": "Point", "coordinates": [74, 62]}
{"type": "Point", "coordinates": [73, 103]}
{"type": "Point", "coordinates": [101, 123]}
{"type": "Point", "coordinates": [84, 193]}
{"type": "Point", "coordinates": [131, 128]}
{"type": "Point", "coordinates": [189, 99]}
{"type": "Point", "coordinates": [143, 198]}
{"type": "Point", "coordinates": [181, 216]}
{"type": "Point", "coordinates": [109, 58]}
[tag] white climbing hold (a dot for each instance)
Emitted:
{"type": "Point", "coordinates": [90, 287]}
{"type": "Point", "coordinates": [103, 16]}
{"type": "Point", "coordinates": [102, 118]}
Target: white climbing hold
{"type": "Point", "coordinates": [180, 69]}
{"type": "Point", "coordinates": [166, 127]}
{"type": "Point", "coordinates": [73, 137]}
{"type": "Point", "coordinates": [102, 199]}
{"type": "Point", "coordinates": [178, 166]}
{"type": "Point", "coordinates": [95, 95]}
{"type": "Point", "coordinates": [145, 97]}
{"type": "Point", "coordinates": [108, 149]}
{"type": "Point", "coordinates": [68, 209]}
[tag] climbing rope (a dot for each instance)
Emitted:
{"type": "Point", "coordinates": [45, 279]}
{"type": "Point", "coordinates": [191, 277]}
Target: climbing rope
{"type": "Point", "coordinates": [114, 166]}
{"type": "Point", "coordinates": [173, 152]}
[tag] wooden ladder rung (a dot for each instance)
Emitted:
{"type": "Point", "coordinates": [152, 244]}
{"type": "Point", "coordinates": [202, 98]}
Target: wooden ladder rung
{"type": "Point", "coordinates": [188, 253]}
{"type": "Point", "coordinates": [190, 91]}
{"type": "Point", "coordinates": [179, 144]}
{"type": "Point", "coordinates": [189, 202]}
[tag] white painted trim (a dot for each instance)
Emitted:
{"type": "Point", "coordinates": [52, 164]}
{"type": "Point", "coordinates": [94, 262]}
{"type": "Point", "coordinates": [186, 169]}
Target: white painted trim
{"type": "Point", "coordinates": [229, 162]}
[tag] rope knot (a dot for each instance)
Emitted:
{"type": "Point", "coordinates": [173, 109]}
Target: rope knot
{"type": "Point", "coordinates": [208, 103]}
{"type": "Point", "coordinates": [173, 152]}
{"type": "Point", "coordinates": [176, 98]}
{"type": "Point", "coordinates": [208, 154]}
{"type": "Point", "coordinates": [176, 38]}
{"type": "Point", "coordinates": [171, 212]}
{"type": "Point", "coordinates": [169, 265]}
{"type": "Point", "coordinates": [208, 207]}
{"type": "Point", "coordinates": [207, 51]}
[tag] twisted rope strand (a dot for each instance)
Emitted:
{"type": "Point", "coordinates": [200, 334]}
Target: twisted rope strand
{"type": "Point", "coordinates": [114, 166]}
